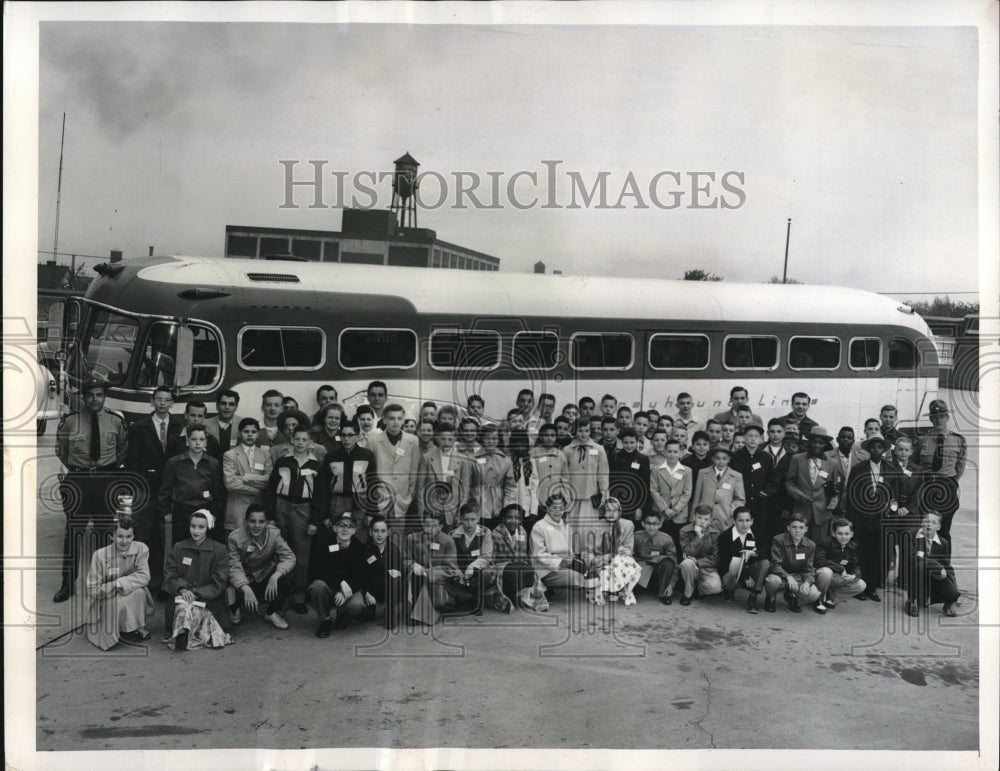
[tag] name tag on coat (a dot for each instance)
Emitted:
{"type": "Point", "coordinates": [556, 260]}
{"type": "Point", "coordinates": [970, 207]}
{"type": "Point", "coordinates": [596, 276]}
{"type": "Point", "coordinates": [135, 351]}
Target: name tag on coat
{"type": "Point", "coordinates": [481, 461]}
{"type": "Point", "coordinates": [258, 466]}
{"type": "Point", "coordinates": [843, 562]}
{"type": "Point", "coordinates": [726, 486]}
{"type": "Point", "coordinates": [823, 473]}
{"type": "Point", "coordinates": [593, 451]}
{"type": "Point", "coordinates": [435, 546]}
{"type": "Point", "coordinates": [635, 466]}
{"type": "Point", "coordinates": [654, 554]}
{"type": "Point", "coordinates": [907, 472]}
{"type": "Point", "coordinates": [185, 560]}
{"type": "Point", "coordinates": [334, 547]}
{"type": "Point", "coordinates": [800, 556]}
{"type": "Point", "coordinates": [677, 475]}
{"type": "Point", "coordinates": [400, 452]}
{"type": "Point", "coordinates": [371, 559]}
{"type": "Point", "coordinates": [474, 552]}
{"type": "Point", "coordinates": [755, 467]}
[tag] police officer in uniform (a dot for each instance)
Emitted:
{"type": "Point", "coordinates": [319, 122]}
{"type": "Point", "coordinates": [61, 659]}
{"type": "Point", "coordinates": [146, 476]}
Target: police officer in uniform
{"type": "Point", "coordinates": [92, 445]}
{"type": "Point", "coordinates": [941, 454]}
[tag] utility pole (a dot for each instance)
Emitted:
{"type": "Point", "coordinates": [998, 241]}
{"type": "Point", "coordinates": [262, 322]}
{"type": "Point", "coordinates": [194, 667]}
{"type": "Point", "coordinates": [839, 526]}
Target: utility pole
{"type": "Point", "coordinates": [62, 142]}
{"type": "Point", "coordinates": [788, 235]}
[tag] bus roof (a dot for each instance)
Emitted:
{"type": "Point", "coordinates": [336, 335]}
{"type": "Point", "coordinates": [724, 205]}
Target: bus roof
{"type": "Point", "coordinates": [454, 292]}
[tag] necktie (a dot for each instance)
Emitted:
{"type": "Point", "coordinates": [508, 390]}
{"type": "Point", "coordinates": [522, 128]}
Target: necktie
{"type": "Point", "coordinates": [163, 433]}
{"type": "Point", "coordinates": [938, 454]}
{"type": "Point", "coordinates": [95, 438]}
{"type": "Point", "coordinates": [581, 453]}
{"type": "Point", "coordinates": [813, 470]}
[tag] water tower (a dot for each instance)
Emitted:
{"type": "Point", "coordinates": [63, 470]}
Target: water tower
{"type": "Point", "coordinates": [404, 188]}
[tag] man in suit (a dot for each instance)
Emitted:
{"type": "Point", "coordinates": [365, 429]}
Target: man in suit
{"type": "Point", "coordinates": [397, 458]}
{"type": "Point", "coordinates": [445, 476]}
{"type": "Point", "coordinates": [224, 426]}
{"type": "Point", "coordinates": [245, 471]}
{"type": "Point", "coordinates": [848, 453]}
{"type": "Point", "coordinates": [147, 455]}
{"type": "Point", "coordinates": [814, 484]}
{"type": "Point", "coordinates": [928, 576]}
{"type": "Point", "coordinates": [800, 406]}
{"type": "Point", "coordinates": [738, 396]}
{"type": "Point", "coordinates": [871, 494]}
{"type": "Point", "coordinates": [721, 488]}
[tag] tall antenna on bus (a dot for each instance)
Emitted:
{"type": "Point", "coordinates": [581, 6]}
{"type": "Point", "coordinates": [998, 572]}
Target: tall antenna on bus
{"type": "Point", "coordinates": [62, 142]}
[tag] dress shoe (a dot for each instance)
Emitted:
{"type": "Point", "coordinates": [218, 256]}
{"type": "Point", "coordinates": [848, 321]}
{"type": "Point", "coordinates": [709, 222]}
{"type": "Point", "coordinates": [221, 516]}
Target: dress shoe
{"type": "Point", "coordinates": [237, 615]}
{"type": "Point", "coordinates": [769, 604]}
{"type": "Point", "coordinates": [666, 600]}
{"type": "Point", "coordinates": [64, 593]}
{"type": "Point", "coordinates": [874, 596]}
{"type": "Point", "coordinates": [685, 600]}
{"type": "Point", "coordinates": [276, 621]}
{"type": "Point", "coordinates": [729, 595]}
{"type": "Point", "coordinates": [478, 611]}
{"type": "Point", "coordinates": [752, 603]}
{"type": "Point", "coordinates": [793, 603]}
{"type": "Point", "coordinates": [863, 596]}
{"type": "Point", "coordinates": [830, 604]}
{"type": "Point", "coordinates": [820, 608]}
{"type": "Point", "coordinates": [181, 642]}
{"type": "Point", "coordinates": [911, 609]}
{"type": "Point", "coordinates": [949, 610]}
{"type": "Point", "coordinates": [324, 628]}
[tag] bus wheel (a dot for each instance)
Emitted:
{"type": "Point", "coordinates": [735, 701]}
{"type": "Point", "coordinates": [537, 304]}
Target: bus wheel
{"type": "Point", "coordinates": [41, 426]}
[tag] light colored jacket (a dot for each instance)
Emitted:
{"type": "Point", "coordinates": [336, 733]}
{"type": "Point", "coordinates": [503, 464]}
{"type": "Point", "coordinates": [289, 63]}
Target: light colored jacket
{"type": "Point", "coordinates": [397, 466]}
{"type": "Point", "coordinates": [724, 495]}
{"type": "Point", "coordinates": [670, 490]}
{"type": "Point", "coordinates": [242, 491]}
{"type": "Point", "coordinates": [250, 559]}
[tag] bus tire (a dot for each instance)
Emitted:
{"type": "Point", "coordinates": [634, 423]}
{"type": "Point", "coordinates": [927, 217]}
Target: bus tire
{"type": "Point", "coordinates": [41, 427]}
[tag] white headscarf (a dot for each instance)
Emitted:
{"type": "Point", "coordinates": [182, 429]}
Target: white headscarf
{"type": "Point", "coordinates": [207, 515]}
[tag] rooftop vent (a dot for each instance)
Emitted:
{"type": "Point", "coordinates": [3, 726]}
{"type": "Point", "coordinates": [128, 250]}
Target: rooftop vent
{"type": "Point", "coordinates": [285, 278]}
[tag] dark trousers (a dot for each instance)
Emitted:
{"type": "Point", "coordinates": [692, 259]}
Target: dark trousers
{"type": "Point", "coordinates": [149, 530]}
{"type": "Point", "coordinates": [322, 598]}
{"type": "Point", "coordinates": [279, 603]}
{"type": "Point", "coordinates": [516, 576]}
{"type": "Point", "coordinates": [940, 494]}
{"type": "Point", "coordinates": [868, 533]}
{"type": "Point", "coordinates": [674, 531]}
{"type": "Point", "coordinates": [84, 498]}
{"type": "Point", "coordinates": [391, 596]}
{"type": "Point", "coordinates": [663, 572]}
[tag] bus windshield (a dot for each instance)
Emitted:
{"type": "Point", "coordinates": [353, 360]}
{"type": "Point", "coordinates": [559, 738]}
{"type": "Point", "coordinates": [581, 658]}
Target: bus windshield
{"type": "Point", "coordinates": [167, 353]}
{"type": "Point", "coordinates": [106, 351]}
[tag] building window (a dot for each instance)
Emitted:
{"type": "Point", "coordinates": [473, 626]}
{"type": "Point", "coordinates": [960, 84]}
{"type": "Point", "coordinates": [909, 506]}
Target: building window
{"type": "Point", "coordinates": [535, 350]}
{"type": "Point", "coordinates": [814, 353]}
{"type": "Point", "coordinates": [865, 353]}
{"type": "Point", "coordinates": [750, 352]}
{"type": "Point", "coordinates": [465, 349]}
{"type": "Point", "coordinates": [378, 348]}
{"type": "Point", "coordinates": [601, 350]}
{"type": "Point", "coordinates": [301, 348]}
{"type": "Point", "coordinates": [269, 246]}
{"type": "Point", "coordinates": [678, 351]}
{"type": "Point", "coordinates": [241, 246]}
{"type": "Point", "coordinates": [902, 354]}
{"type": "Point", "coordinates": [307, 248]}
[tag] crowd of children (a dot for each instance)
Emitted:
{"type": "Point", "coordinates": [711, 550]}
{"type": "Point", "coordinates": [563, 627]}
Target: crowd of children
{"type": "Point", "coordinates": [378, 514]}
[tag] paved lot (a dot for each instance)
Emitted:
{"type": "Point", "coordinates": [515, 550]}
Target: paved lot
{"type": "Point", "coordinates": [862, 677]}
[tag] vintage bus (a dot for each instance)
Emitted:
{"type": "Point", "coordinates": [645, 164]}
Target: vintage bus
{"type": "Point", "coordinates": [200, 325]}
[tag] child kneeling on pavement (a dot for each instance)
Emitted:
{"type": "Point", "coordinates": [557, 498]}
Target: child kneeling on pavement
{"type": "Point", "coordinates": [838, 567]}
{"type": "Point", "coordinates": [739, 563]}
{"type": "Point", "coordinates": [792, 556]}
{"type": "Point", "coordinates": [699, 544]}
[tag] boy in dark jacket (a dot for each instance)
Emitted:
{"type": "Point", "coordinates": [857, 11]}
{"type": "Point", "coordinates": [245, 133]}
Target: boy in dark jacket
{"type": "Point", "coordinates": [838, 566]}
{"type": "Point", "coordinates": [336, 576]}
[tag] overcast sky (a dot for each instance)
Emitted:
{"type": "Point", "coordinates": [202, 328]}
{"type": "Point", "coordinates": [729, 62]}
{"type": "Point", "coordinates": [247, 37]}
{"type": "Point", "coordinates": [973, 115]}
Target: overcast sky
{"type": "Point", "coordinates": [865, 137]}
